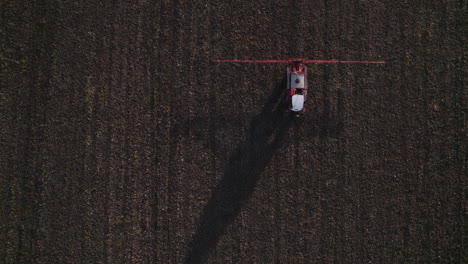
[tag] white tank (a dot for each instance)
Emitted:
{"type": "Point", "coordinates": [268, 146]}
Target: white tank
{"type": "Point", "coordinates": [297, 80]}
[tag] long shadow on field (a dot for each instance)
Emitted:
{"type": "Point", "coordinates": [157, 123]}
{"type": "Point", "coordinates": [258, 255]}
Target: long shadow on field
{"type": "Point", "coordinates": [242, 171]}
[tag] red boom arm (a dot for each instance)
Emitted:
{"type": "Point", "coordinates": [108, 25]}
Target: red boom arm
{"type": "Point", "coordinates": [340, 61]}
{"type": "Point", "coordinates": [253, 61]}
{"type": "Point", "coordinates": [302, 60]}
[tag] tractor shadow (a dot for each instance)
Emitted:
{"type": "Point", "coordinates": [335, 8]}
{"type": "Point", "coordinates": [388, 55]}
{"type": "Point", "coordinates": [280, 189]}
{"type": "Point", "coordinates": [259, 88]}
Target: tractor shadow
{"type": "Point", "coordinates": [244, 167]}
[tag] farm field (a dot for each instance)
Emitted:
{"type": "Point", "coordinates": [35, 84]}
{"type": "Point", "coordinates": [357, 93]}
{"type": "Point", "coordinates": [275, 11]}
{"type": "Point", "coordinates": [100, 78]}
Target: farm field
{"type": "Point", "coordinates": [123, 143]}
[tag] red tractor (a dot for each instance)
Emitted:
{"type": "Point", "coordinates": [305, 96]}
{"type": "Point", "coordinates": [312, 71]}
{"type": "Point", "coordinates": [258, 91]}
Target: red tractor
{"type": "Point", "coordinates": [297, 77]}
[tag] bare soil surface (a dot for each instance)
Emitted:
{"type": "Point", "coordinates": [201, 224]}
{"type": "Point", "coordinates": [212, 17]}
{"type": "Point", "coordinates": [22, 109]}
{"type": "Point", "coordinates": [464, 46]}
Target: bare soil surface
{"type": "Point", "coordinates": [122, 143]}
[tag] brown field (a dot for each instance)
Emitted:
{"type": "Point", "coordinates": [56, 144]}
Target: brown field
{"type": "Point", "coordinates": [122, 143]}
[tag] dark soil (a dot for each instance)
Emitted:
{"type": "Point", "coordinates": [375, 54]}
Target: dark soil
{"type": "Point", "coordinates": [122, 143]}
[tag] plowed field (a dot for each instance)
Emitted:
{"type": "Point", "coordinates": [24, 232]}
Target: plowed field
{"type": "Point", "coordinates": [121, 142]}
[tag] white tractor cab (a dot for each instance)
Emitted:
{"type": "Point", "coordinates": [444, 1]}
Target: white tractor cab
{"type": "Point", "coordinates": [297, 86]}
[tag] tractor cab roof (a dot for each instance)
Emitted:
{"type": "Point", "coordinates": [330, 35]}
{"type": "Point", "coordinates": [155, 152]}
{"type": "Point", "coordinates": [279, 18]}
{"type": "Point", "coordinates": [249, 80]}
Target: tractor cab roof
{"type": "Point", "coordinates": [297, 102]}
